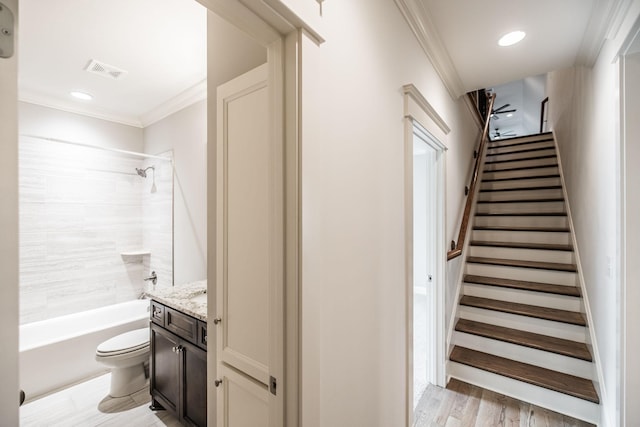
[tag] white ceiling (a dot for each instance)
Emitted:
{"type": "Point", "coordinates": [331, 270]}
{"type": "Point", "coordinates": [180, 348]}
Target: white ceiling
{"type": "Point", "coordinates": [161, 43]}
{"type": "Point", "coordinates": [469, 31]}
{"type": "Point", "coordinates": [460, 36]}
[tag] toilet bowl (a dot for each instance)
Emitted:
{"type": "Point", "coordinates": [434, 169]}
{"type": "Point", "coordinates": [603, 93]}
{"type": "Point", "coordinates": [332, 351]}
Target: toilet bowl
{"type": "Point", "coordinates": [126, 355]}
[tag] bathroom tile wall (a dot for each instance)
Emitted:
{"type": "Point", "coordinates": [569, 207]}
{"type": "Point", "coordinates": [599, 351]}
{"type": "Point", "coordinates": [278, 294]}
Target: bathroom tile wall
{"type": "Point", "coordinates": [157, 214]}
{"type": "Point", "coordinates": [80, 209]}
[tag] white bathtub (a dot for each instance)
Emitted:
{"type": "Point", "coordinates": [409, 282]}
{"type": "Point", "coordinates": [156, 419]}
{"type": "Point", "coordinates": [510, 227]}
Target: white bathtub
{"type": "Point", "coordinates": [58, 352]}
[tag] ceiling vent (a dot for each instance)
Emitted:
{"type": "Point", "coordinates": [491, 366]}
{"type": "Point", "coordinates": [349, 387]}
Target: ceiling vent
{"type": "Point", "coordinates": [105, 70]}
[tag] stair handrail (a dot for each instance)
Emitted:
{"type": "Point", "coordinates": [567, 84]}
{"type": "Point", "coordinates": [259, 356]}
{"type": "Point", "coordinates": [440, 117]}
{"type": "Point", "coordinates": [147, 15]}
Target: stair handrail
{"type": "Point", "coordinates": [456, 249]}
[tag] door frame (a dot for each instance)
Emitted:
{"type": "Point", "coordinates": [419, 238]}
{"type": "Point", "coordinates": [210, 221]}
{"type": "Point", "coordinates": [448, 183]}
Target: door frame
{"type": "Point", "coordinates": [415, 126]}
{"type": "Point", "coordinates": [272, 24]}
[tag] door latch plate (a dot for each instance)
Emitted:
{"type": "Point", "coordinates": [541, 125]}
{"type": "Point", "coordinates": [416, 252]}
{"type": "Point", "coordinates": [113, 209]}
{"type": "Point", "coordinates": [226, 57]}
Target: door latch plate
{"type": "Point", "coordinates": [7, 30]}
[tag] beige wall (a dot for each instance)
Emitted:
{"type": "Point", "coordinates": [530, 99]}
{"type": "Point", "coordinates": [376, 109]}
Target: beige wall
{"type": "Point", "coordinates": [185, 133]}
{"type": "Point", "coordinates": [37, 120]}
{"type": "Point", "coordinates": [584, 113]}
{"type": "Point", "coordinates": [9, 228]}
{"type": "Point", "coordinates": [353, 229]}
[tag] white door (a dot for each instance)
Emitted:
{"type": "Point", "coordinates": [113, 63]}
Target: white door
{"type": "Point", "coordinates": [424, 251]}
{"type": "Point", "coordinates": [249, 280]}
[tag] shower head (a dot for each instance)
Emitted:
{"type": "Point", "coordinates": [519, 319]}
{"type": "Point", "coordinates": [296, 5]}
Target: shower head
{"type": "Point", "coordinates": [143, 172]}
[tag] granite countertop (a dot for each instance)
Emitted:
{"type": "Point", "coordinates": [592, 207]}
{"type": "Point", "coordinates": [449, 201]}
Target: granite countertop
{"type": "Point", "coordinates": [189, 298]}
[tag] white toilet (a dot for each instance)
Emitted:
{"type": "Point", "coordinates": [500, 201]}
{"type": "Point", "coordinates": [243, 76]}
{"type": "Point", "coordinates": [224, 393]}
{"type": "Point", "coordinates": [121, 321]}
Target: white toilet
{"type": "Point", "coordinates": [126, 355]}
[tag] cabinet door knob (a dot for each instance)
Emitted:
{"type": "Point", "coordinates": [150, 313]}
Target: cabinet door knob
{"type": "Point", "coordinates": [217, 320]}
{"type": "Point", "coordinates": [217, 382]}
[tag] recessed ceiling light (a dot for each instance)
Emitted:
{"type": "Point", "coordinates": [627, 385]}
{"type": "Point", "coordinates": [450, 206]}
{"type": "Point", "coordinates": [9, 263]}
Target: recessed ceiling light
{"type": "Point", "coordinates": [510, 115]}
{"type": "Point", "coordinates": [511, 38]}
{"type": "Point", "coordinates": [82, 95]}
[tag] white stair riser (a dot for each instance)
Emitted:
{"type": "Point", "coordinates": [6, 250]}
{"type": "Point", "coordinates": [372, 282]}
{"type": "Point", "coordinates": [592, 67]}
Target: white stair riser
{"type": "Point", "coordinates": [487, 196]}
{"type": "Point", "coordinates": [551, 170]}
{"type": "Point", "coordinates": [520, 183]}
{"type": "Point", "coordinates": [522, 221]}
{"type": "Point", "coordinates": [509, 141]}
{"type": "Point", "coordinates": [521, 207]}
{"type": "Point", "coordinates": [542, 299]}
{"type": "Point", "coordinates": [527, 274]}
{"type": "Point", "coordinates": [558, 402]}
{"type": "Point", "coordinates": [525, 323]}
{"type": "Point", "coordinates": [497, 156]}
{"type": "Point", "coordinates": [560, 238]}
{"type": "Point", "coordinates": [552, 161]}
{"type": "Point", "coordinates": [515, 148]}
{"type": "Point", "coordinates": [566, 257]}
{"type": "Point", "coordinates": [544, 359]}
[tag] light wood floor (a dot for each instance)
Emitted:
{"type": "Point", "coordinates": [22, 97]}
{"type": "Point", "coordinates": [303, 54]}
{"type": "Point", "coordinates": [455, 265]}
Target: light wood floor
{"type": "Point", "coordinates": [465, 405]}
{"type": "Point", "coordinates": [88, 405]}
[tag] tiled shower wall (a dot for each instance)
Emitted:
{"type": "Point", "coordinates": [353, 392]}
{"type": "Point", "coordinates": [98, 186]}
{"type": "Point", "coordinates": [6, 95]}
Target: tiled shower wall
{"type": "Point", "coordinates": [81, 208]}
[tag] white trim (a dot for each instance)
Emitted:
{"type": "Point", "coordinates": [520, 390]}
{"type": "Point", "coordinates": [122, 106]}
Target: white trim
{"type": "Point", "coordinates": [414, 128]}
{"type": "Point", "coordinates": [419, 21]}
{"type": "Point", "coordinates": [416, 106]}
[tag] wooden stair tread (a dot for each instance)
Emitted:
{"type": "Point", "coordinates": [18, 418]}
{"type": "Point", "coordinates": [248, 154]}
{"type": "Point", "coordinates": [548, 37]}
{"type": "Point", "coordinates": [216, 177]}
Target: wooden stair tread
{"type": "Point", "coordinates": [493, 162]}
{"type": "Point", "coordinates": [552, 199]}
{"type": "Point", "coordinates": [519, 168]}
{"type": "Point", "coordinates": [561, 346]}
{"type": "Point", "coordinates": [523, 264]}
{"type": "Point", "coordinates": [514, 228]}
{"type": "Point", "coordinates": [581, 388]}
{"type": "Point", "coordinates": [541, 246]}
{"type": "Point", "coordinates": [572, 291]}
{"type": "Point", "coordinates": [517, 178]}
{"type": "Point", "coordinates": [542, 187]}
{"type": "Point", "coordinates": [521, 214]}
{"type": "Point", "coordinates": [545, 313]}
{"type": "Point", "coordinates": [533, 141]}
{"type": "Point", "coordinates": [517, 151]}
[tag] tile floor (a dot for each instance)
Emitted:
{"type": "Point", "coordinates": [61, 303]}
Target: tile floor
{"type": "Point", "coordinates": [88, 405]}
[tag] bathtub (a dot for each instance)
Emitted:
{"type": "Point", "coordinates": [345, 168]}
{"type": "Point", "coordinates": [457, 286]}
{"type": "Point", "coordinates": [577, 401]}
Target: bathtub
{"type": "Point", "coordinates": [58, 352]}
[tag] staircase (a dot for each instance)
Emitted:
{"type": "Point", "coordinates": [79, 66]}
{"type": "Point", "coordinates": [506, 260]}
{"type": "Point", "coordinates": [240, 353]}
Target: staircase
{"type": "Point", "coordinates": [521, 330]}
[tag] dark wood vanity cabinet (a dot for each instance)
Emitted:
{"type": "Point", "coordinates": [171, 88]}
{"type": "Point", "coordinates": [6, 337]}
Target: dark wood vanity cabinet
{"type": "Point", "coordinates": [178, 364]}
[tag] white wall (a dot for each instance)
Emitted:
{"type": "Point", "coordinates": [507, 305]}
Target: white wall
{"type": "Point", "coordinates": [353, 230]}
{"type": "Point", "coordinates": [185, 132]}
{"type": "Point", "coordinates": [584, 114]}
{"type": "Point", "coordinates": [37, 120]}
{"type": "Point", "coordinates": [9, 241]}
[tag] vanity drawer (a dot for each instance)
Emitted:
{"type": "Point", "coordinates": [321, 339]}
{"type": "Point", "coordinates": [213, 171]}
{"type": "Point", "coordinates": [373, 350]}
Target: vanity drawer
{"type": "Point", "coordinates": [157, 313]}
{"type": "Point", "coordinates": [181, 324]}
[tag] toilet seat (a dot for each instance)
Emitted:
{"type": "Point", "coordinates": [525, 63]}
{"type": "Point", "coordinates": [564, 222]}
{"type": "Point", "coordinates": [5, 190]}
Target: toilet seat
{"type": "Point", "coordinates": [126, 343]}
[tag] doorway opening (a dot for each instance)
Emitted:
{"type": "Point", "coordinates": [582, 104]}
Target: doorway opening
{"type": "Point", "coordinates": [427, 271]}
{"type": "Point", "coordinates": [424, 162]}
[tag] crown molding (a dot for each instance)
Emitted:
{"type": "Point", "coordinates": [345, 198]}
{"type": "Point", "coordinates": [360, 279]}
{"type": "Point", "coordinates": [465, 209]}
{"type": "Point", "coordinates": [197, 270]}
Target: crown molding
{"type": "Point", "coordinates": [63, 105]}
{"type": "Point", "coordinates": [417, 16]}
{"type": "Point", "coordinates": [598, 30]}
{"type": "Point", "coordinates": [195, 93]}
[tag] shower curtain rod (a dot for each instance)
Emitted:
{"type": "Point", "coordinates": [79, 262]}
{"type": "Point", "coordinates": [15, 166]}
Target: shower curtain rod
{"type": "Point", "coordinates": [113, 150]}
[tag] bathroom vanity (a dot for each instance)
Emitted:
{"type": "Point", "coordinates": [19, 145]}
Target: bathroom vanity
{"type": "Point", "coordinates": [178, 368]}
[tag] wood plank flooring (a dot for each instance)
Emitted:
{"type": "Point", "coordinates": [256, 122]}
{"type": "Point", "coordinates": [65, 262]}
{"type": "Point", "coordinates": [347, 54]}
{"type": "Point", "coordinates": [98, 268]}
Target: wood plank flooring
{"type": "Point", "coordinates": [465, 405]}
{"type": "Point", "coordinates": [88, 405]}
